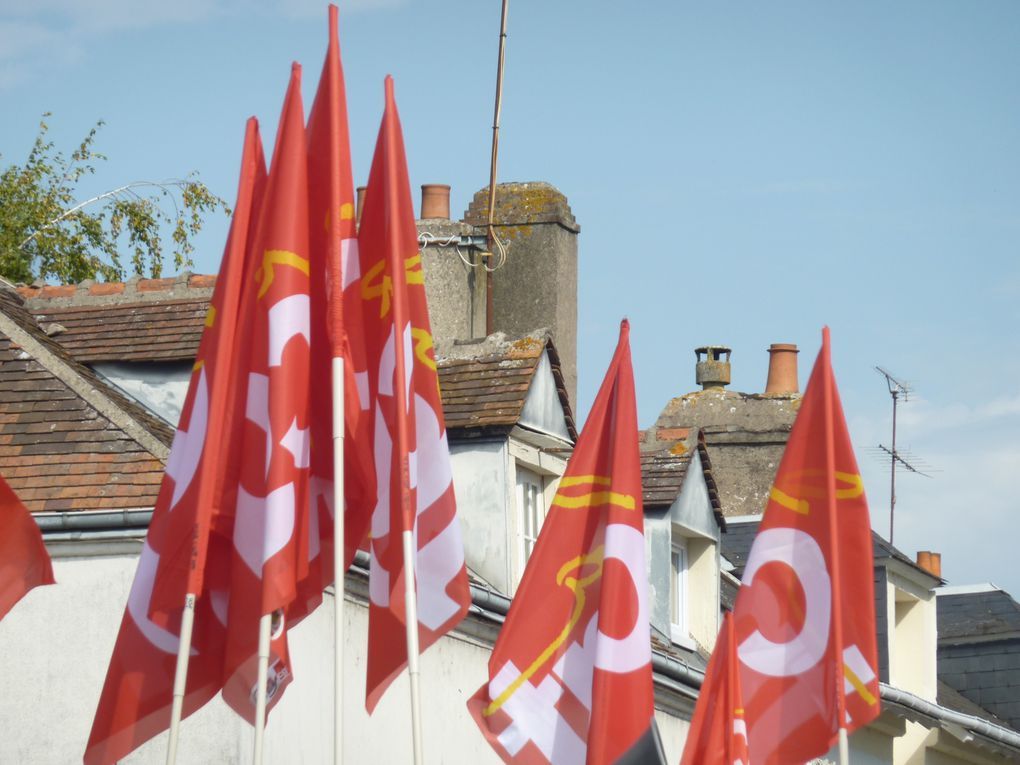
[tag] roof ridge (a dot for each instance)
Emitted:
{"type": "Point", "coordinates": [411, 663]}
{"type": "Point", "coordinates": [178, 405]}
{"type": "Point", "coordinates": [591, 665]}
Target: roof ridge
{"type": "Point", "coordinates": [184, 286]}
{"type": "Point", "coordinates": [84, 383]}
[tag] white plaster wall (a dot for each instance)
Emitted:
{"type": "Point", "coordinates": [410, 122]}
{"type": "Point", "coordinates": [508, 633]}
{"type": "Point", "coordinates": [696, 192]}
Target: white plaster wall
{"type": "Point", "coordinates": [161, 388]}
{"type": "Point", "coordinates": [867, 747]}
{"type": "Point", "coordinates": [56, 646]}
{"type": "Point", "coordinates": [481, 485]}
{"type": "Point", "coordinates": [703, 592]}
{"type": "Point", "coordinates": [673, 731]}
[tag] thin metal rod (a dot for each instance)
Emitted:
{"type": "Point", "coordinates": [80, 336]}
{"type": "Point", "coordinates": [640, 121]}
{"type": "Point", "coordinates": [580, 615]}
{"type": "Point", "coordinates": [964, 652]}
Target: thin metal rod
{"type": "Point", "coordinates": [181, 676]}
{"type": "Point", "coordinates": [892, 472]}
{"type": "Point", "coordinates": [489, 304]}
{"type": "Point", "coordinates": [411, 618]}
{"type": "Point", "coordinates": [338, 559]}
{"type": "Point", "coordinates": [265, 627]}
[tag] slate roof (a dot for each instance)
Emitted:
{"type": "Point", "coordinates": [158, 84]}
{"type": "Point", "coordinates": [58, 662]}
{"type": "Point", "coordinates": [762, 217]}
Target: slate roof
{"type": "Point", "coordinates": [139, 320]}
{"type": "Point", "coordinates": [984, 615]}
{"type": "Point", "coordinates": [736, 545]}
{"type": "Point", "coordinates": [950, 698]}
{"type": "Point", "coordinates": [484, 384]}
{"type": "Point", "coordinates": [68, 441]}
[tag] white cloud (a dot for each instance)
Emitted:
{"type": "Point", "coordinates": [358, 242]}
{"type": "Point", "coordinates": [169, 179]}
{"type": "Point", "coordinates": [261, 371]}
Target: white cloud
{"type": "Point", "coordinates": [98, 16]}
{"type": "Point", "coordinates": [19, 38]}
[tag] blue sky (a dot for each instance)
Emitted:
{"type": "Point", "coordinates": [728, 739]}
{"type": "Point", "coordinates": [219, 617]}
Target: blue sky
{"type": "Point", "coordinates": [743, 174]}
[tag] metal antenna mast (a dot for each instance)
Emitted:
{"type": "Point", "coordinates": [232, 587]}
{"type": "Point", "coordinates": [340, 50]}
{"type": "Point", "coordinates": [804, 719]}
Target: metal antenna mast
{"type": "Point", "coordinates": [896, 389]}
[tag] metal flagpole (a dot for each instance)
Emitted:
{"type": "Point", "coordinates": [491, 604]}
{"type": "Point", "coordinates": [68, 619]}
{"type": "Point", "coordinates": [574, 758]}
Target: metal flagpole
{"type": "Point", "coordinates": [181, 676]}
{"type": "Point", "coordinates": [411, 617]}
{"type": "Point", "coordinates": [338, 559]}
{"type": "Point", "coordinates": [265, 628]}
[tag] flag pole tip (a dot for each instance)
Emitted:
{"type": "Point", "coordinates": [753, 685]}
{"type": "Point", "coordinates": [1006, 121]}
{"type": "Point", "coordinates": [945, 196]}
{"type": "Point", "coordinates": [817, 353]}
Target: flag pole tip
{"type": "Point", "coordinates": [334, 14]}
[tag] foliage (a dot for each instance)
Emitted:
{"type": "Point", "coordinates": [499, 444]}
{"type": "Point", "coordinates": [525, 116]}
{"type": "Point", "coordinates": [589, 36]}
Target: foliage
{"type": "Point", "coordinates": [45, 232]}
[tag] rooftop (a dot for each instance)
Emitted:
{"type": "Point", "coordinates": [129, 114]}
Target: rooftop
{"type": "Point", "coordinates": [976, 614]}
{"type": "Point", "coordinates": [69, 441]}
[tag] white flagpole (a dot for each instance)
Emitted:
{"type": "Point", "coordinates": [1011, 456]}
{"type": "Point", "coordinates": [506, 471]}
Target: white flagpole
{"type": "Point", "coordinates": [265, 627]}
{"type": "Point", "coordinates": [338, 559]}
{"type": "Point", "coordinates": [181, 676]}
{"type": "Point", "coordinates": [844, 747]}
{"type": "Point", "coordinates": [411, 617]}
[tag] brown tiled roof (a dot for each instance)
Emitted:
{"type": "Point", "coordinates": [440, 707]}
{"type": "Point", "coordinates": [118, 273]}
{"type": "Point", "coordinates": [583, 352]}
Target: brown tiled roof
{"type": "Point", "coordinates": [484, 390]}
{"type": "Point", "coordinates": [67, 440]}
{"type": "Point", "coordinates": [662, 476]}
{"type": "Point", "coordinates": [138, 320]}
{"type": "Point", "coordinates": [665, 457]}
{"type": "Point", "coordinates": [167, 331]}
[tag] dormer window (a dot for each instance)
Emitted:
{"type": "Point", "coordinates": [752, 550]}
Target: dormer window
{"type": "Point", "coordinates": [678, 594]}
{"type": "Point", "coordinates": [531, 511]}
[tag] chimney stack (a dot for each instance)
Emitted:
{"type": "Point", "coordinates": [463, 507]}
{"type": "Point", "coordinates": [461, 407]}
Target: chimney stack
{"type": "Point", "coordinates": [930, 562]}
{"type": "Point", "coordinates": [435, 201]}
{"type": "Point", "coordinates": [713, 369]}
{"type": "Point", "coordinates": [782, 369]}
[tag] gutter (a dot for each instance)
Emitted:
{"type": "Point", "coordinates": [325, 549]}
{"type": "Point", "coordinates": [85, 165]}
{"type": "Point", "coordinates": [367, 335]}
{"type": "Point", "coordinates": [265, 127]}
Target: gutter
{"type": "Point", "coordinates": [951, 720]}
{"type": "Point", "coordinates": [93, 520]}
{"type": "Point", "coordinates": [120, 524]}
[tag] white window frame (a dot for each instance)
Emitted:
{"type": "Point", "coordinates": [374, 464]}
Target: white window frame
{"type": "Point", "coordinates": [679, 592]}
{"type": "Point", "coordinates": [530, 513]}
{"type": "Point", "coordinates": [548, 468]}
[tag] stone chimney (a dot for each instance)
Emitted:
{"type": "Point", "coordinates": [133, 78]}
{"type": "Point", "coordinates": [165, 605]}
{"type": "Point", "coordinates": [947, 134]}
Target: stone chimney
{"type": "Point", "coordinates": [536, 286]}
{"type": "Point", "coordinates": [930, 562]}
{"type": "Point", "coordinates": [713, 369]}
{"type": "Point", "coordinates": [435, 201]}
{"type": "Point", "coordinates": [782, 377]}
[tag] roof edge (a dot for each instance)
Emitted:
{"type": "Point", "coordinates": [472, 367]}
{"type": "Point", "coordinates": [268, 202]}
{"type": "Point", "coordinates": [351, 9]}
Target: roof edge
{"type": "Point", "coordinates": [65, 372]}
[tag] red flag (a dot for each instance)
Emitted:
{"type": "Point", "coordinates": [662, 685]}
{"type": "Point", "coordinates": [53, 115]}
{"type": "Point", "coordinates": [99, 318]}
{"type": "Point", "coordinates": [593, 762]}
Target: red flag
{"type": "Point", "coordinates": [274, 534]}
{"type": "Point", "coordinates": [24, 562]}
{"type": "Point", "coordinates": [136, 698]}
{"type": "Point", "coordinates": [718, 733]}
{"type": "Point", "coordinates": [804, 617]}
{"type": "Point", "coordinates": [386, 311]}
{"type": "Point", "coordinates": [570, 677]}
{"type": "Point", "coordinates": [333, 242]}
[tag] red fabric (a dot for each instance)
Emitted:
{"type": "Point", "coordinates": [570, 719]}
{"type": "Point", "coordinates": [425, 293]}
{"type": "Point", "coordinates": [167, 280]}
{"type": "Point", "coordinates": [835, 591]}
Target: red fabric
{"type": "Point", "coordinates": [273, 526]}
{"type": "Point", "coordinates": [136, 698]}
{"type": "Point", "coordinates": [570, 677]}
{"type": "Point", "coordinates": [248, 523]}
{"type": "Point", "coordinates": [718, 733]}
{"type": "Point", "coordinates": [333, 241]}
{"type": "Point", "coordinates": [391, 347]}
{"type": "Point", "coordinates": [24, 562]}
{"type": "Point", "coordinates": [804, 617]}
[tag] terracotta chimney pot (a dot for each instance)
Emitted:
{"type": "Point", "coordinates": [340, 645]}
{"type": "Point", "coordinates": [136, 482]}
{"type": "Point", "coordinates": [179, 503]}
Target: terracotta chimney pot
{"type": "Point", "coordinates": [435, 201]}
{"type": "Point", "coordinates": [782, 369]}
{"type": "Point", "coordinates": [930, 562]}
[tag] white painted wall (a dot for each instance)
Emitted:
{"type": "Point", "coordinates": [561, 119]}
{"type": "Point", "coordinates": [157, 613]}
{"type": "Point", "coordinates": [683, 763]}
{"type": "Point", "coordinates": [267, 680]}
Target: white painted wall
{"type": "Point", "coordinates": [481, 485]}
{"type": "Point", "coordinates": [55, 647]}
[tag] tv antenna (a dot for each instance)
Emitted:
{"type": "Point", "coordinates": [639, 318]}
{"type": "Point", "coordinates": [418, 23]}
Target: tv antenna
{"type": "Point", "coordinates": [897, 389]}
